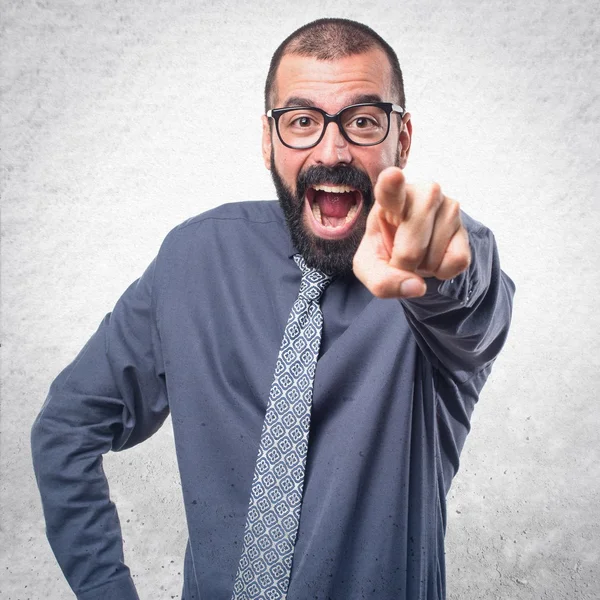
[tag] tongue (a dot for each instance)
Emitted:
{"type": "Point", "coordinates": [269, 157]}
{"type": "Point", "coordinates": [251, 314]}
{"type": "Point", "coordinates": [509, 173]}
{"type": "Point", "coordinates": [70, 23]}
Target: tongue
{"type": "Point", "coordinates": [334, 205]}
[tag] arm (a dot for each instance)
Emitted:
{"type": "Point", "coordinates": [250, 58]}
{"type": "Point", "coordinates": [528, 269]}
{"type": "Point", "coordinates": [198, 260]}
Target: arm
{"type": "Point", "coordinates": [462, 323]}
{"type": "Point", "coordinates": [111, 397]}
{"type": "Point", "coordinates": [443, 266]}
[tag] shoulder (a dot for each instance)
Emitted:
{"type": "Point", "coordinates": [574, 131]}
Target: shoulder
{"type": "Point", "coordinates": [231, 229]}
{"type": "Point", "coordinates": [250, 212]}
{"type": "Point", "coordinates": [232, 216]}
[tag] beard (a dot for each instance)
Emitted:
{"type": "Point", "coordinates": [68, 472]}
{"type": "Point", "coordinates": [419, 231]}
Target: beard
{"type": "Point", "coordinates": [333, 257]}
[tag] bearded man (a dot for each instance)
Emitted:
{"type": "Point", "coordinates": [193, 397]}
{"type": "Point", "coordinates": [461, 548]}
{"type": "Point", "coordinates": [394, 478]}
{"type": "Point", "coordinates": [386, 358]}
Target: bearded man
{"type": "Point", "coordinates": [320, 357]}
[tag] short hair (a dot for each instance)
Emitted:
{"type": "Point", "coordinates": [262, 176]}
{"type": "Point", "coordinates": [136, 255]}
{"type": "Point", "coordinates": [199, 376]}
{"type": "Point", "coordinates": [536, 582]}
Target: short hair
{"type": "Point", "coordinates": [331, 39]}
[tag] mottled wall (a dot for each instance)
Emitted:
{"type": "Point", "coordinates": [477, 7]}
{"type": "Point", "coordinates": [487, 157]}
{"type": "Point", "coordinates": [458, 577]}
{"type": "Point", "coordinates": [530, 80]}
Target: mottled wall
{"type": "Point", "coordinates": [121, 119]}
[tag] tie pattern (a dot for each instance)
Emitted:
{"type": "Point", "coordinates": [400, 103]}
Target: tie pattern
{"type": "Point", "coordinates": [276, 496]}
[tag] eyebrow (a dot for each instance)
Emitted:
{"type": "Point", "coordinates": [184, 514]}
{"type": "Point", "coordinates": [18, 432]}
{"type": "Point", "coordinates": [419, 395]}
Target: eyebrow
{"type": "Point", "coordinates": [307, 103]}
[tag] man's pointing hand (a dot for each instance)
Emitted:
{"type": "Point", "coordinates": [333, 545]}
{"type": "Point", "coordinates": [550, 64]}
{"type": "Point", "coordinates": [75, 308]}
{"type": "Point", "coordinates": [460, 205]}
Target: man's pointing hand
{"type": "Point", "coordinates": [413, 231]}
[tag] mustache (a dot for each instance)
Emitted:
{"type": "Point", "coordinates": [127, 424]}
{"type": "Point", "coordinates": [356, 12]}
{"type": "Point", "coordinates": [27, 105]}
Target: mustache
{"type": "Point", "coordinates": [318, 174]}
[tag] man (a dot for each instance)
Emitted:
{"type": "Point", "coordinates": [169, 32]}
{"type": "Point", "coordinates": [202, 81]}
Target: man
{"type": "Point", "coordinates": [347, 496]}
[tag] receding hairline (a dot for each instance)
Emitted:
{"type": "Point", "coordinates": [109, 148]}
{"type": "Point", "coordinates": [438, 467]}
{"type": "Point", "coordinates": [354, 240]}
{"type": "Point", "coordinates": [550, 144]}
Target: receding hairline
{"type": "Point", "coordinates": [390, 78]}
{"type": "Point", "coordinates": [333, 39]}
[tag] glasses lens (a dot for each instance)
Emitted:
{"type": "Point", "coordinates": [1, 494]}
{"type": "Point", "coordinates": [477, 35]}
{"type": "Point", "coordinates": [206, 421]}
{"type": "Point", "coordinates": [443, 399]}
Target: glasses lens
{"type": "Point", "coordinates": [300, 128]}
{"type": "Point", "coordinates": [365, 124]}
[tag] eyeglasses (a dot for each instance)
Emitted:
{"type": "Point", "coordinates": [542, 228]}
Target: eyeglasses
{"type": "Point", "coordinates": [366, 124]}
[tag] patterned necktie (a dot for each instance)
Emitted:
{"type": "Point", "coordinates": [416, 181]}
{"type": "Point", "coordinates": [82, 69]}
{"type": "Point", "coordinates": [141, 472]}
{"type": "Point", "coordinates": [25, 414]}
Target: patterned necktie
{"type": "Point", "coordinates": [274, 512]}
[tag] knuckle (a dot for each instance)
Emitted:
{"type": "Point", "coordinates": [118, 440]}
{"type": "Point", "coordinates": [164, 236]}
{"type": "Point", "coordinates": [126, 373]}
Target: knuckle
{"type": "Point", "coordinates": [433, 195]}
{"type": "Point", "coordinates": [392, 217]}
{"type": "Point", "coordinates": [465, 262]}
{"type": "Point", "coordinates": [458, 262]}
{"type": "Point", "coordinates": [429, 201]}
{"type": "Point", "coordinates": [453, 209]}
{"type": "Point", "coordinates": [435, 190]}
{"type": "Point", "coordinates": [409, 254]}
{"type": "Point", "coordinates": [430, 265]}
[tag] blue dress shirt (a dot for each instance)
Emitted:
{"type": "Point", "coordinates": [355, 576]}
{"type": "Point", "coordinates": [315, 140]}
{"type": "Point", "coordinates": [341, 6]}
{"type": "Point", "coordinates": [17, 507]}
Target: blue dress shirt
{"type": "Point", "coordinates": [197, 336]}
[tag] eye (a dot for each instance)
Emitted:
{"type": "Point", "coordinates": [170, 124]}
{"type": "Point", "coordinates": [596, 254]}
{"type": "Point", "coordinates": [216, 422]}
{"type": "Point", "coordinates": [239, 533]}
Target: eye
{"type": "Point", "coordinates": [302, 122]}
{"type": "Point", "coordinates": [363, 122]}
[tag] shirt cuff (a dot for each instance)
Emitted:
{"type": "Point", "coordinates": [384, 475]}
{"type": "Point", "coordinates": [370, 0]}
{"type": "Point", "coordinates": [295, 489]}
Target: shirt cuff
{"type": "Point", "coordinates": [461, 289]}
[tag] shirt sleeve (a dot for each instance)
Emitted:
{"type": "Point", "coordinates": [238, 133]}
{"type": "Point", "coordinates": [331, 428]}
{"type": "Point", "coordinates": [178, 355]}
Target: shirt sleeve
{"type": "Point", "coordinates": [111, 397]}
{"type": "Point", "coordinates": [461, 324]}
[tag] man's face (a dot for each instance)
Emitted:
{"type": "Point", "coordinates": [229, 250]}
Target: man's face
{"type": "Point", "coordinates": [326, 191]}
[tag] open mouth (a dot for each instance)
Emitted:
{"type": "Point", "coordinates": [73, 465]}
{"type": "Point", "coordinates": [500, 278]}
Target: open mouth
{"type": "Point", "coordinates": [333, 209]}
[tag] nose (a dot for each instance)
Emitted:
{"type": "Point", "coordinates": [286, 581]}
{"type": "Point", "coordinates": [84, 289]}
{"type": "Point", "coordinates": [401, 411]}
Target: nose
{"type": "Point", "coordinates": [333, 149]}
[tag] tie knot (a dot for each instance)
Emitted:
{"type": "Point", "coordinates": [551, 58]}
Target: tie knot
{"type": "Point", "coordinates": [314, 282]}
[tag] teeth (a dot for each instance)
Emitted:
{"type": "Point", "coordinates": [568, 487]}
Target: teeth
{"type": "Point", "coordinates": [351, 213]}
{"type": "Point", "coordinates": [334, 189]}
{"type": "Point", "coordinates": [317, 212]}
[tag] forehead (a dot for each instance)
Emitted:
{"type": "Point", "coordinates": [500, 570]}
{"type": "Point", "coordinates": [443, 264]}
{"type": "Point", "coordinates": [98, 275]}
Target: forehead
{"type": "Point", "coordinates": [333, 84]}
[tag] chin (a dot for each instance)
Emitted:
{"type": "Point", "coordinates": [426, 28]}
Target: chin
{"type": "Point", "coordinates": [327, 215]}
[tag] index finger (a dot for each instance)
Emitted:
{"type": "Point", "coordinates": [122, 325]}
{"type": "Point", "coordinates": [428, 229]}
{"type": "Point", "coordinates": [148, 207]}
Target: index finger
{"type": "Point", "coordinates": [390, 194]}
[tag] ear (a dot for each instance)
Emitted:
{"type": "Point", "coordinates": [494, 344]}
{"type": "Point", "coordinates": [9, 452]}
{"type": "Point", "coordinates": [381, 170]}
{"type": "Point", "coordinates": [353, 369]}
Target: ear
{"type": "Point", "coordinates": [404, 139]}
{"type": "Point", "coordinates": [267, 142]}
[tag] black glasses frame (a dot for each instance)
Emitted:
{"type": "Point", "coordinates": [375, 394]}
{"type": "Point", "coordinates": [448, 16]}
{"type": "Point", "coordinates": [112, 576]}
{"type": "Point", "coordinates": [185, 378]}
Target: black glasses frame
{"type": "Point", "coordinates": [388, 107]}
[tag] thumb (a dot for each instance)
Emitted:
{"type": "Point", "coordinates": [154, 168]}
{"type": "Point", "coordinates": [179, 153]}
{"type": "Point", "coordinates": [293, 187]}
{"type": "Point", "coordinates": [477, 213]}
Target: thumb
{"type": "Point", "coordinates": [381, 279]}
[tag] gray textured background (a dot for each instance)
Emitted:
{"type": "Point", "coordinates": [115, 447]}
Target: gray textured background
{"type": "Point", "coordinates": [121, 119]}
